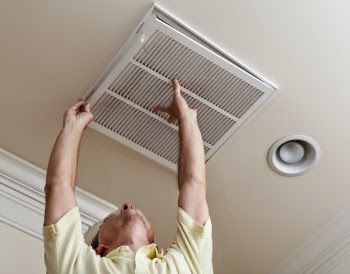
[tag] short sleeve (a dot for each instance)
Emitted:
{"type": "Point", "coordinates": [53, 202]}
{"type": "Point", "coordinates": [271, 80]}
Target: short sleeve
{"type": "Point", "coordinates": [195, 242]}
{"type": "Point", "coordinates": [69, 221]}
{"type": "Point", "coordinates": [64, 247]}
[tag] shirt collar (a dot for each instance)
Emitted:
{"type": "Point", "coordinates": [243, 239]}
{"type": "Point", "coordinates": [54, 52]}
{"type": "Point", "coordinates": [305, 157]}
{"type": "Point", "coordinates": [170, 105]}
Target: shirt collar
{"type": "Point", "coordinates": [150, 251]}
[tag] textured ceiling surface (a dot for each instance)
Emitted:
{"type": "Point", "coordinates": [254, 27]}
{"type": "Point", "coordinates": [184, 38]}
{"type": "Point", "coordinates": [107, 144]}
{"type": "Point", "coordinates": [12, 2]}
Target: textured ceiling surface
{"type": "Point", "coordinates": [52, 51]}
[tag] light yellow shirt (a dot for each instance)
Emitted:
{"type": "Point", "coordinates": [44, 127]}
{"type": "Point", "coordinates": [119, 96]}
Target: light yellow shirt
{"type": "Point", "coordinates": [66, 252]}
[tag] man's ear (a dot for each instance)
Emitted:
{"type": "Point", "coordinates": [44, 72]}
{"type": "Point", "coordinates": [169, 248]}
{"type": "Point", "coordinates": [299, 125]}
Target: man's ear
{"type": "Point", "coordinates": [102, 250]}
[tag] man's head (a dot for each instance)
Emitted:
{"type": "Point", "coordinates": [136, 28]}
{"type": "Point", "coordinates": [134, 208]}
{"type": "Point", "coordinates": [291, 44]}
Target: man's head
{"type": "Point", "coordinates": [126, 227]}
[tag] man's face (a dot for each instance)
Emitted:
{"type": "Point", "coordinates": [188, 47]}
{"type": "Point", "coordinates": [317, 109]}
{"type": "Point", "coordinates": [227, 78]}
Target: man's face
{"type": "Point", "coordinates": [128, 225]}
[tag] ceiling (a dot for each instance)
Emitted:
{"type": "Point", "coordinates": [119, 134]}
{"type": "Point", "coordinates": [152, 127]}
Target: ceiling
{"type": "Point", "coordinates": [51, 52]}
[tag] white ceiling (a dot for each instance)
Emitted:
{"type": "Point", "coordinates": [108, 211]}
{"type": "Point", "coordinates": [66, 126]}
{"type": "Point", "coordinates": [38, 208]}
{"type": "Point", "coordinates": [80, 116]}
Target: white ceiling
{"type": "Point", "coordinates": [52, 51]}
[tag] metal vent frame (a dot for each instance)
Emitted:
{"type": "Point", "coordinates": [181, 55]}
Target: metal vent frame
{"type": "Point", "coordinates": [159, 20]}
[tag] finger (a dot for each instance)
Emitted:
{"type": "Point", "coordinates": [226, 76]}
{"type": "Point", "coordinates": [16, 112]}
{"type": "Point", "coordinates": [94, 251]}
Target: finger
{"type": "Point", "coordinates": [161, 108]}
{"type": "Point", "coordinates": [171, 119]}
{"type": "Point", "coordinates": [87, 107]}
{"type": "Point", "coordinates": [175, 82]}
{"type": "Point", "coordinates": [78, 104]}
{"type": "Point", "coordinates": [176, 86]}
{"type": "Point", "coordinates": [87, 117]}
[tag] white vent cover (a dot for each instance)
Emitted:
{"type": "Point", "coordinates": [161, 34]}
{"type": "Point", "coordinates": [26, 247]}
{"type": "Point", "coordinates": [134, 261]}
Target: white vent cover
{"type": "Point", "coordinates": [223, 90]}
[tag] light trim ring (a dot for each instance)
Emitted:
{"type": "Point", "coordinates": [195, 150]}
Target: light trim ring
{"type": "Point", "coordinates": [312, 153]}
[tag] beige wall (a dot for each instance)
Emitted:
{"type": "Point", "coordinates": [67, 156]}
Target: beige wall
{"type": "Point", "coordinates": [21, 253]}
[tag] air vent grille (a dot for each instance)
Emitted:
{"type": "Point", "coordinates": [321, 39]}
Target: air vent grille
{"type": "Point", "coordinates": [223, 90]}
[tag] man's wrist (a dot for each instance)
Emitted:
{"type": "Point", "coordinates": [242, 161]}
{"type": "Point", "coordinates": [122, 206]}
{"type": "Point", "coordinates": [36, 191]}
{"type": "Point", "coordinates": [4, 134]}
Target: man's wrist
{"type": "Point", "coordinates": [187, 120]}
{"type": "Point", "coordinates": [71, 130]}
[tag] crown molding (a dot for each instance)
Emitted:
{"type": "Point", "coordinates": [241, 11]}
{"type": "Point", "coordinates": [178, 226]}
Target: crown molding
{"type": "Point", "coordinates": [324, 252]}
{"type": "Point", "coordinates": [22, 199]}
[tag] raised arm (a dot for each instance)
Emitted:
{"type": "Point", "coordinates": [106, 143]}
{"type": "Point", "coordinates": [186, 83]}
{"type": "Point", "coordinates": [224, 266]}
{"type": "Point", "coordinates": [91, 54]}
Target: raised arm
{"type": "Point", "coordinates": [61, 171]}
{"type": "Point", "coordinates": [191, 168]}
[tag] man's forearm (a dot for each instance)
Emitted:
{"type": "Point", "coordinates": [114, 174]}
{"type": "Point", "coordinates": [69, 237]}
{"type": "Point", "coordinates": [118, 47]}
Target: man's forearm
{"type": "Point", "coordinates": [63, 159]}
{"type": "Point", "coordinates": [60, 178]}
{"type": "Point", "coordinates": [191, 168]}
{"type": "Point", "coordinates": [191, 158]}
{"type": "Point", "coordinates": [62, 167]}
{"type": "Point", "coordinates": [191, 176]}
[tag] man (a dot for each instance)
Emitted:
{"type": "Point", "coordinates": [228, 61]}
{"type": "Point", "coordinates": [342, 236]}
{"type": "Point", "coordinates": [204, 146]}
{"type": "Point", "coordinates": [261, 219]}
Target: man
{"type": "Point", "coordinates": [124, 242]}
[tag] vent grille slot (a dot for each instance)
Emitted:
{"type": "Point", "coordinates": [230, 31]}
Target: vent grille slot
{"type": "Point", "coordinates": [171, 59]}
{"type": "Point", "coordinates": [147, 91]}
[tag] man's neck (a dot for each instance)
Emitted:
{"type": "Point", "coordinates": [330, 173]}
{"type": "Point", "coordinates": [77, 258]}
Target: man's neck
{"type": "Point", "coordinates": [134, 244]}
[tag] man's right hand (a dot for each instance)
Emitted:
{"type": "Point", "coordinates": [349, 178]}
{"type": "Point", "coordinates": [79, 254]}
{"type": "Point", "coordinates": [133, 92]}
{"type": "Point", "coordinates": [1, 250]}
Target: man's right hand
{"type": "Point", "coordinates": [178, 108]}
{"type": "Point", "coordinates": [78, 116]}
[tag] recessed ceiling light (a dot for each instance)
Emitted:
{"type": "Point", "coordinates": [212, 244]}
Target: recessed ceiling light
{"type": "Point", "coordinates": [292, 152]}
{"type": "Point", "coordinates": [293, 155]}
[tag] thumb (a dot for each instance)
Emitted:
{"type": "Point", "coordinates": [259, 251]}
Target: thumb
{"type": "Point", "coordinates": [87, 117]}
{"type": "Point", "coordinates": [87, 107]}
{"type": "Point", "coordinates": [176, 87]}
